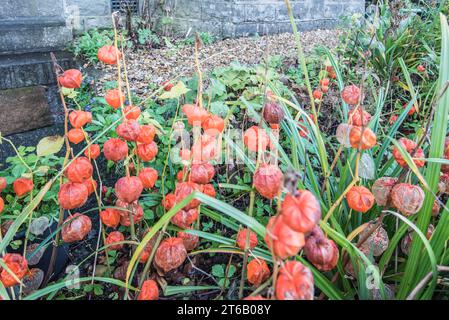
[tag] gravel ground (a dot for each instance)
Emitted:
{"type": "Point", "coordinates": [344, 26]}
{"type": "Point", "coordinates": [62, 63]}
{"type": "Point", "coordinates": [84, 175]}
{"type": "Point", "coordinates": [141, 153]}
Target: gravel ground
{"type": "Point", "coordinates": [159, 65]}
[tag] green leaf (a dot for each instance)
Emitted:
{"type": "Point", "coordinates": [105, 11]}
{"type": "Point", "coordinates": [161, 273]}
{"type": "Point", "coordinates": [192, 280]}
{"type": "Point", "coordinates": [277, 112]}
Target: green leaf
{"type": "Point", "coordinates": [176, 92]}
{"type": "Point", "coordinates": [49, 145]}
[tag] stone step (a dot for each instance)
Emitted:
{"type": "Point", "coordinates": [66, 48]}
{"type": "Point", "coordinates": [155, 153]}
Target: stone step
{"type": "Point", "coordinates": [33, 34]}
{"type": "Point", "coordinates": [30, 69]}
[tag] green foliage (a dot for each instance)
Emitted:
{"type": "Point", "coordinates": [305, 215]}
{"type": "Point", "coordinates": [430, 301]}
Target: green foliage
{"type": "Point", "coordinates": [87, 45]}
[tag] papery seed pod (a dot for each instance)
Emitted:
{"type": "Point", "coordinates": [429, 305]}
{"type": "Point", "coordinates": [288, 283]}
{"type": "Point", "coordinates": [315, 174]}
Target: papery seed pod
{"type": "Point", "coordinates": [318, 94]}
{"type": "Point", "coordinates": [185, 218]}
{"type": "Point", "coordinates": [360, 199]}
{"type": "Point", "coordinates": [185, 154]}
{"type": "Point", "coordinates": [169, 201]}
{"type": "Point", "coordinates": [255, 136]}
{"type": "Point", "coordinates": [109, 54]}
{"type": "Point", "coordinates": [147, 133]}
{"type": "Point", "coordinates": [91, 185]}
{"type": "Point", "coordinates": [128, 130]}
{"type": "Point", "coordinates": [16, 264]}
{"type": "Point", "coordinates": [257, 272]}
{"type": "Point", "coordinates": [170, 254]}
{"type": "Point", "coordinates": [284, 241]}
{"type": "Point", "coordinates": [382, 189]}
{"type": "Point", "coordinates": [128, 208]}
{"type": "Point", "coordinates": [208, 190]}
{"type": "Point", "coordinates": [443, 186]}
{"type": "Point", "coordinates": [295, 282]}
{"type": "Point", "coordinates": [149, 246]}
{"type": "Point", "coordinates": [393, 119]}
{"type": "Point", "coordinates": [183, 190]}
{"type": "Point", "coordinates": [362, 138]}
{"type": "Point", "coordinates": [189, 240]}
{"type": "Point", "coordinates": [205, 149]}
{"type": "Point", "coordinates": [343, 134]}
{"type": "Point", "coordinates": [351, 95]}
{"type": "Point", "coordinates": [241, 239]}
{"type": "Point", "coordinates": [213, 125]}
{"type": "Point", "coordinates": [72, 195]}
{"type": "Point", "coordinates": [407, 198]}
{"type": "Point", "coordinates": [359, 117]}
{"type": "Point", "coordinates": [321, 251]}
{"type": "Point", "coordinates": [93, 152]}
{"type": "Point", "coordinates": [115, 149]}
{"type": "Point", "coordinates": [412, 110]}
{"type": "Point", "coordinates": [147, 152]}
{"type": "Point", "coordinates": [201, 173]}
{"type": "Point", "coordinates": [268, 180]}
{"type": "Point", "coordinates": [377, 242]}
{"type": "Point", "coordinates": [3, 184]}
{"type": "Point", "coordinates": [325, 82]}
{"type": "Point", "coordinates": [115, 98]}
{"type": "Point", "coordinates": [301, 212]}
{"type": "Point", "coordinates": [22, 186]}
{"type": "Point", "coordinates": [2, 204]}
{"type": "Point", "coordinates": [406, 242]}
{"type": "Point", "coordinates": [128, 189]}
{"type": "Point", "coordinates": [71, 79]}
{"type": "Point", "coordinates": [352, 267]}
{"type": "Point", "coordinates": [148, 177]}
{"type": "Point", "coordinates": [75, 135]}
{"type": "Point", "coordinates": [420, 68]}
{"type": "Point", "coordinates": [79, 119]}
{"type": "Point", "coordinates": [110, 217]}
{"type": "Point", "coordinates": [114, 237]}
{"type": "Point", "coordinates": [436, 209]}
{"type": "Point", "coordinates": [167, 85]}
{"type": "Point", "coordinates": [411, 147]}
{"type": "Point", "coordinates": [76, 228]}
{"type": "Point", "coordinates": [273, 113]}
{"type": "Point", "coordinates": [79, 170]}
{"type": "Point", "coordinates": [131, 112]}
{"type": "Point", "coordinates": [149, 291]}
{"type": "Point", "coordinates": [195, 115]}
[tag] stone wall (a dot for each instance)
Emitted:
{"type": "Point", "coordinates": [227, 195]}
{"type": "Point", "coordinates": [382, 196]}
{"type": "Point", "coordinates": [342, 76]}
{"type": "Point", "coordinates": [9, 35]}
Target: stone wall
{"type": "Point", "coordinates": [83, 15]}
{"type": "Point", "coordinates": [237, 18]}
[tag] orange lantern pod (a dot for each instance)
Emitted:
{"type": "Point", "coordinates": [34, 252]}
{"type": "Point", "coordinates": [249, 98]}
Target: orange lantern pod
{"type": "Point", "coordinates": [115, 149]}
{"type": "Point", "coordinates": [22, 186]}
{"type": "Point", "coordinates": [71, 79]}
{"type": "Point", "coordinates": [76, 228]}
{"type": "Point", "coordinates": [3, 184]}
{"type": "Point", "coordinates": [181, 173]}
{"type": "Point", "coordinates": [257, 272]}
{"type": "Point", "coordinates": [79, 119]}
{"type": "Point", "coordinates": [273, 113]}
{"type": "Point", "coordinates": [148, 176]}
{"type": "Point", "coordinates": [149, 247]}
{"type": "Point", "coordinates": [93, 151]}
{"type": "Point", "coordinates": [318, 94]}
{"type": "Point", "coordinates": [147, 133]}
{"type": "Point", "coordinates": [393, 119]}
{"type": "Point", "coordinates": [79, 170]}
{"type": "Point", "coordinates": [295, 282]}
{"type": "Point", "coordinates": [365, 141]}
{"type": "Point", "coordinates": [301, 212]}
{"type": "Point", "coordinates": [407, 198]}
{"type": "Point", "coordinates": [128, 130]}
{"type": "Point", "coordinates": [185, 218]}
{"type": "Point", "coordinates": [167, 85]}
{"type": "Point", "coordinates": [128, 189]}
{"type": "Point", "coordinates": [359, 117]}
{"type": "Point", "coordinates": [209, 190]}
{"type": "Point", "coordinates": [16, 264]}
{"type": "Point", "coordinates": [127, 209]}
{"type": "Point", "coordinates": [241, 239]}
{"type": "Point", "coordinates": [72, 195]}
{"type": "Point", "coordinates": [195, 115]}
{"type": "Point", "coordinates": [325, 82]}
{"type": "Point", "coordinates": [251, 139]}
{"type": "Point", "coordinates": [421, 68]}
{"type": "Point", "coordinates": [382, 189]}
{"type": "Point", "coordinates": [170, 254]}
{"type": "Point", "coordinates": [91, 185]}
{"type": "Point", "coordinates": [114, 237]}
{"type": "Point", "coordinates": [115, 98]}
{"type": "Point", "coordinates": [409, 146]}
{"type": "Point", "coordinates": [185, 154]}
{"type": "Point", "coordinates": [2, 204]}
{"type": "Point", "coordinates": [147, 152]}
{"type": "Point", "coordinates": [75, 135]}
{"type": "Point", "coordinates": [190, 240]}
{"type": "Point", "coordinates": [284, 241]}
{"type": "Point", "coordinates": [110, 217]}
{"type": "Point", "coordinates": [183, 190]}
{"type": "Point", "coordinates": [201, 173]}
{"type": "Point", "coordinates": [205, 149]}
{"type": "Point", "coordinates": [132, 112]}
{"type": "Point", "coordinates": [213, 125]}
{"type": "Point", "coordinates": [149, 291]}
{"type": "Point", "coordinates": [360, 199]}
{"type": "Point", "coordinates": [109, 54]}
{"type": "Point", "coordinates": [169, 201]}
{"type": "Point", "coordinates": [268, 180]}
{"type": "Point", "coordinates": [351, 95]}
{"type": "Point", "coordinates": [412, 110]}
{"type": "Point", "coordinates": [320, 251]}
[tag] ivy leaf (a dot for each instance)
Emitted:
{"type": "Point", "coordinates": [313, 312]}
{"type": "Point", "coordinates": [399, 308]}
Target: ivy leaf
{"type": "Point", "coordinates": [49, 145]}
{"type": "Point", "coordinates": [177, 91]}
